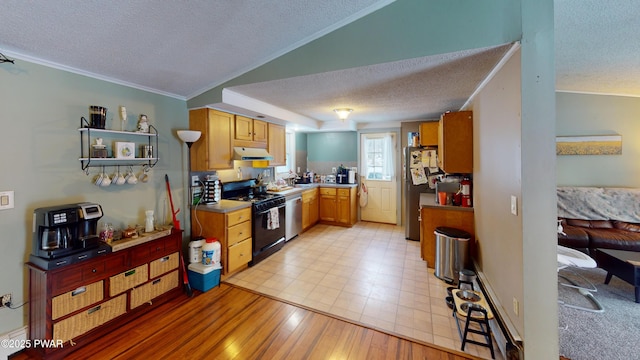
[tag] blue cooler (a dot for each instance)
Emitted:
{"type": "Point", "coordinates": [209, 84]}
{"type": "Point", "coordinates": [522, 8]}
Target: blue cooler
{"type": "Point", "coordinates": [203, 277]}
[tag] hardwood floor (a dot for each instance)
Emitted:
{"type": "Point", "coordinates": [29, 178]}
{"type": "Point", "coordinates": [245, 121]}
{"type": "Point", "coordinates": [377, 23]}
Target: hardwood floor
{"type": "Point", "coordinates": [232, 323]}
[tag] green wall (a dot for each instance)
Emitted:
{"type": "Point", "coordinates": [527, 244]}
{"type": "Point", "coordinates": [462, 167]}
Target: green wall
{"type": "Point", "coordinates": [332, 146]}
{"type": "Point", "coordinates": [404, 29]}
{"type": "Point", "coordinates": [40, 110]}
{"type": "Point", "coordinates": [587, 114]}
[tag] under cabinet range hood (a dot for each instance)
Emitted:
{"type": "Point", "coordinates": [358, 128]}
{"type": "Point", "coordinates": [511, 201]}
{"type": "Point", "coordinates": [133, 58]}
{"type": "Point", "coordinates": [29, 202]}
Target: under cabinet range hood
{"type": "Point", "coordinates": [250, 154]}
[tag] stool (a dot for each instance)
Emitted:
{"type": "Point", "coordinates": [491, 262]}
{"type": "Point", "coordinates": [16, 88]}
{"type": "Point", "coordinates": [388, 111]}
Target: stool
{"type": "Point", "coordinates": [483, 323]}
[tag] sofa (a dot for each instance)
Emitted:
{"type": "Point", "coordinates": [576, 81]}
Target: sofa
{"type": "Point", "coordinates": [597, 217]}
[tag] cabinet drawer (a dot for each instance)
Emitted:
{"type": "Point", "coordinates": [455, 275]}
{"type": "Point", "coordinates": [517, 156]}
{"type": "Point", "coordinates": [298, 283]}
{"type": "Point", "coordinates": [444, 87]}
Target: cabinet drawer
{"type": "Point", "coordinates": [238, 233]}
{"type": "Point", "coordinates": [153, 289]}
{"type": "Point", "coordinates": [344, 192]}
{"type": "Point", "coordinates": [127, 280]}
{"type": "Point", "coordinates": [145, 252]}
{"type": "Point", "coordinates": [328, 191]}
{"type": "Point", "coordinates": [71, 301]}
{"type": "Point", "coordinates": [163, 265]}
{"type": "Point", "coordinates": [239, 216]}
{"type": "Point", "coordinates": [77, 325]}
{"type": "Point", "coordinates": [308, 194]}
{"type": "Point", "coordinates": [239, 254]}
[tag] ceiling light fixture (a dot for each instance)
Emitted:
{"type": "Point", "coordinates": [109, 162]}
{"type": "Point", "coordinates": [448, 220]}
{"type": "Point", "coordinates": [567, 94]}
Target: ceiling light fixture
{"type": "Point", "coordinates": [343, 114]}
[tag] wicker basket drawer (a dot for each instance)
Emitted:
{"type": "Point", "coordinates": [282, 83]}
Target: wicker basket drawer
{"type": "Point", "coordinates": [128, 279]}
{"type": "Point", "coordinates": [153, 289]}
{"type": "Point", "coordinates": [77, 325]}
{"type": "Point", "coordinates": [163, 265]}
{"type": "Point", "coordinates": [236, 217]}
{"type": "Point", "coordinates": [71, 301]}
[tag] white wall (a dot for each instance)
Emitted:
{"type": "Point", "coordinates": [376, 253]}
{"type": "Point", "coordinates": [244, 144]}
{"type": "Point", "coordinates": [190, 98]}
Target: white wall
{"type": "Point", "coordinates": [589, 114]}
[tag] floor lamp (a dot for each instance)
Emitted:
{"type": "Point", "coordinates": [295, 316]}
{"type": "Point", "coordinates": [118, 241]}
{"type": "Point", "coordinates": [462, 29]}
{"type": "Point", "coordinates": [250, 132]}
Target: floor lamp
{"type": "Point", "coordinates": [189, 137]}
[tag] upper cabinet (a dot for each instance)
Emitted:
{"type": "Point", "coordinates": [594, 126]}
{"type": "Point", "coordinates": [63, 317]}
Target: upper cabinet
{"type": "Point", "coordinates": [277, 145]}
{"type": "Point", "coordinates": [455, 142]}
{"type": "Point", "coordinates": [250, 132]}
{"type": "Point", "coordinates": [214, 150]}
{"type": "Point", "coordinates": [429, 133]}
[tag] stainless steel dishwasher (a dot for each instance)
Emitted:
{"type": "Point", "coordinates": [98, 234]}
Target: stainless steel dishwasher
{"type": "Point", "coordinates": [293, 215]}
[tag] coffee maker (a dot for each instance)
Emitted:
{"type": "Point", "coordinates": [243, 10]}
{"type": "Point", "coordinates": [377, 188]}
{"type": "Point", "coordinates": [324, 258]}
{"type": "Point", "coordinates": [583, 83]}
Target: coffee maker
{"type": "Point", "coordinates": [66, 233]}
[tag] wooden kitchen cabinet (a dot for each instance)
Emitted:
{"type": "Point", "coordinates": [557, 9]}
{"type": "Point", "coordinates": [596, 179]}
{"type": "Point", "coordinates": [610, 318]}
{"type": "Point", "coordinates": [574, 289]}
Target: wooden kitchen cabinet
{"type": "Point", "coordinates": [250, 132]}
{"type": "Point", "coordinates": [83, 302]}
{"type": "Point", "coordinates": [233, 231]}
{"type": "Point", "coordinates": [346, 206]}
{"type": "Point", "coordinates": [432, 217]}
{"type": "Point", "coordinates": [455, 142]}
{"type": "Point", "coordinates": [338, 206]}
{"type": "Point", "coordinates": [328, 205]}
{"type": "Point", "coordinates": [429, 133]}
{"type": "Point", "coordinates": [310, 210]}
{"type": "Point", "coordinates": [214, 149]}
{"type": "Point", "coordinates": [277, 145]}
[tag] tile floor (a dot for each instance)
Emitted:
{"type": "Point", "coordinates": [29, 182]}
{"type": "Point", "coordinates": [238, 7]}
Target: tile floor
{"type": "Point", "coordinates": [368, 274]}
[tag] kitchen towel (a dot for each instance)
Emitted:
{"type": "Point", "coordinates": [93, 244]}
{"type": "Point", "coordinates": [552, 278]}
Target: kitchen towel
{"type": "Point", "coordinates": [273, 218]}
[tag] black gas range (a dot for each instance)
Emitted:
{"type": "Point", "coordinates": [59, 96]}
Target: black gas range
{"type": "Point", "coordinates": [268, 216]}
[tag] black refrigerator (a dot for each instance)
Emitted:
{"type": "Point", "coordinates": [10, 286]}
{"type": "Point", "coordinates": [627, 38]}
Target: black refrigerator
{"type": "Point", "coordinates": [416, 177]}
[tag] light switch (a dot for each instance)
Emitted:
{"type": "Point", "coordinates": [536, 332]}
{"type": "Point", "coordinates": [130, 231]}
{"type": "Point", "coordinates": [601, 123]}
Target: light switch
{"type": "Point", "coordinates": [6, 200]}
{"type": "Point", "coordinates": [514, 205]}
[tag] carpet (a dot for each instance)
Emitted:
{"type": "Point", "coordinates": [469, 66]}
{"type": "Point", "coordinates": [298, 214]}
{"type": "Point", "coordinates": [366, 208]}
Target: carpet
{"type": "Point", "coordinates": [612, 334]}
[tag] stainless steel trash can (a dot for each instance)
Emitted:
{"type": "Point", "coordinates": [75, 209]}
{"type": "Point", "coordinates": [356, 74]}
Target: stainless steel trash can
{"type": "Point", "coordinates": [452, 253]}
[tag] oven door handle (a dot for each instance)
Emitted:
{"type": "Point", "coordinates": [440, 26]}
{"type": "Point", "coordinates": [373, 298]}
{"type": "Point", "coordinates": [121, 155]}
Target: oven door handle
{"type": "Point", "coordinates": [269, 209]}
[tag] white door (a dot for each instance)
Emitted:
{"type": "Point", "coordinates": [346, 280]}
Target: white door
{"type": "Point", "coordinates": [377, 167]}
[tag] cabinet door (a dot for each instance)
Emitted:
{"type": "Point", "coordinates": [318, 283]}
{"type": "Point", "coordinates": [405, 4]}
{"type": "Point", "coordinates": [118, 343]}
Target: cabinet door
{"type": "Point", "coordinates": [314, 210]}
{"type": "Point", "coordinates": [429, 133]}
{"type": "Point", "coordinates": [328, 207]}
{"type": "Point", "coordinates": [243, 128]}
{"type": "Point", "coordinates": [214, 149]}
{"type": "Point", "coordinates": [277, 145]}
{"type": "Point", "coordinates": [260, 131]}
{"type": "Point", "coordinates": [343, 213]}
{"type": "Point", "coordinates": [306, 223]}
{"type": "Point", "coordinates": [431, 218]}
{"type": "Point", "coordinates": [455, 142]}
{"type": "Point", "coordinates": [239, 255]}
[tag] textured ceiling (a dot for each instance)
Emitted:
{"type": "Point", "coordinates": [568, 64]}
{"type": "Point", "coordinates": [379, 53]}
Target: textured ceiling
{"type": "Point", "coordinates": [181, 49]}
{"type": "Point", "coordinates": [411, 89]}
{"type": "Point", "coordinates": [173, 47]}
{"type": "Point", "coordinates": [596, 46]}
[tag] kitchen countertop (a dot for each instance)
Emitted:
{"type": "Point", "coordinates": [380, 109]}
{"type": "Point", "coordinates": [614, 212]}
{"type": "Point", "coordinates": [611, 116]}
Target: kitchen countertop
{"type": "Point", "coordinates": [224, 206]}
{"type": "Point", "coordinates": [288, 192]}
{"type": "Point", "coordinates": [429, 200]}
{"type": "Point", "coordinates": [325, 185]}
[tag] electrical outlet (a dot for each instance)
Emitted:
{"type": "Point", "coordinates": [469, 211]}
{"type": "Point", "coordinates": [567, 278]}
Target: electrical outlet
{"type": "Point", "coordinates": [5, 300]}
{"type": "Point", "coordinates": [194, 180]}
{"type": "Point", "coordinates": [516, 306]}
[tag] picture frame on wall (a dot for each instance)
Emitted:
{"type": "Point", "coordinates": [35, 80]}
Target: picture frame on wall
{"type": "Point", "coordinates": [589, 145]}
{"type": "Point", "coordinates": [125, 150]}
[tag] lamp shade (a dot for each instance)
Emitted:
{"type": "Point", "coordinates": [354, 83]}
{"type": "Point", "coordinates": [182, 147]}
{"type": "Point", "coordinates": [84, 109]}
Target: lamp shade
{"type": "Point", "coordinates": [189, 136]}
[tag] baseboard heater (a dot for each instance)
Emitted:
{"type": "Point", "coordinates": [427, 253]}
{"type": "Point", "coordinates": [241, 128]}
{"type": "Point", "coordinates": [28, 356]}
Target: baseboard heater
{"type": "Point", "coordinates": [507, 339]}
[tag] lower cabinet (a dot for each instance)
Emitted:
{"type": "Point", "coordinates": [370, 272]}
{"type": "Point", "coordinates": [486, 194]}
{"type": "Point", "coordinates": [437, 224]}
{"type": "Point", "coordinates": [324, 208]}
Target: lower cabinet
{"type": "Point", "coordinates": [338, 206]}
{"type": "Point", "coordinates": [433, 217]}
{"type": "Point", "coordinates": [81, 302]}
{"type": "Point", "coordinates": [233, 231]}
{"type": "Point", "coordinates": [310, 208]}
